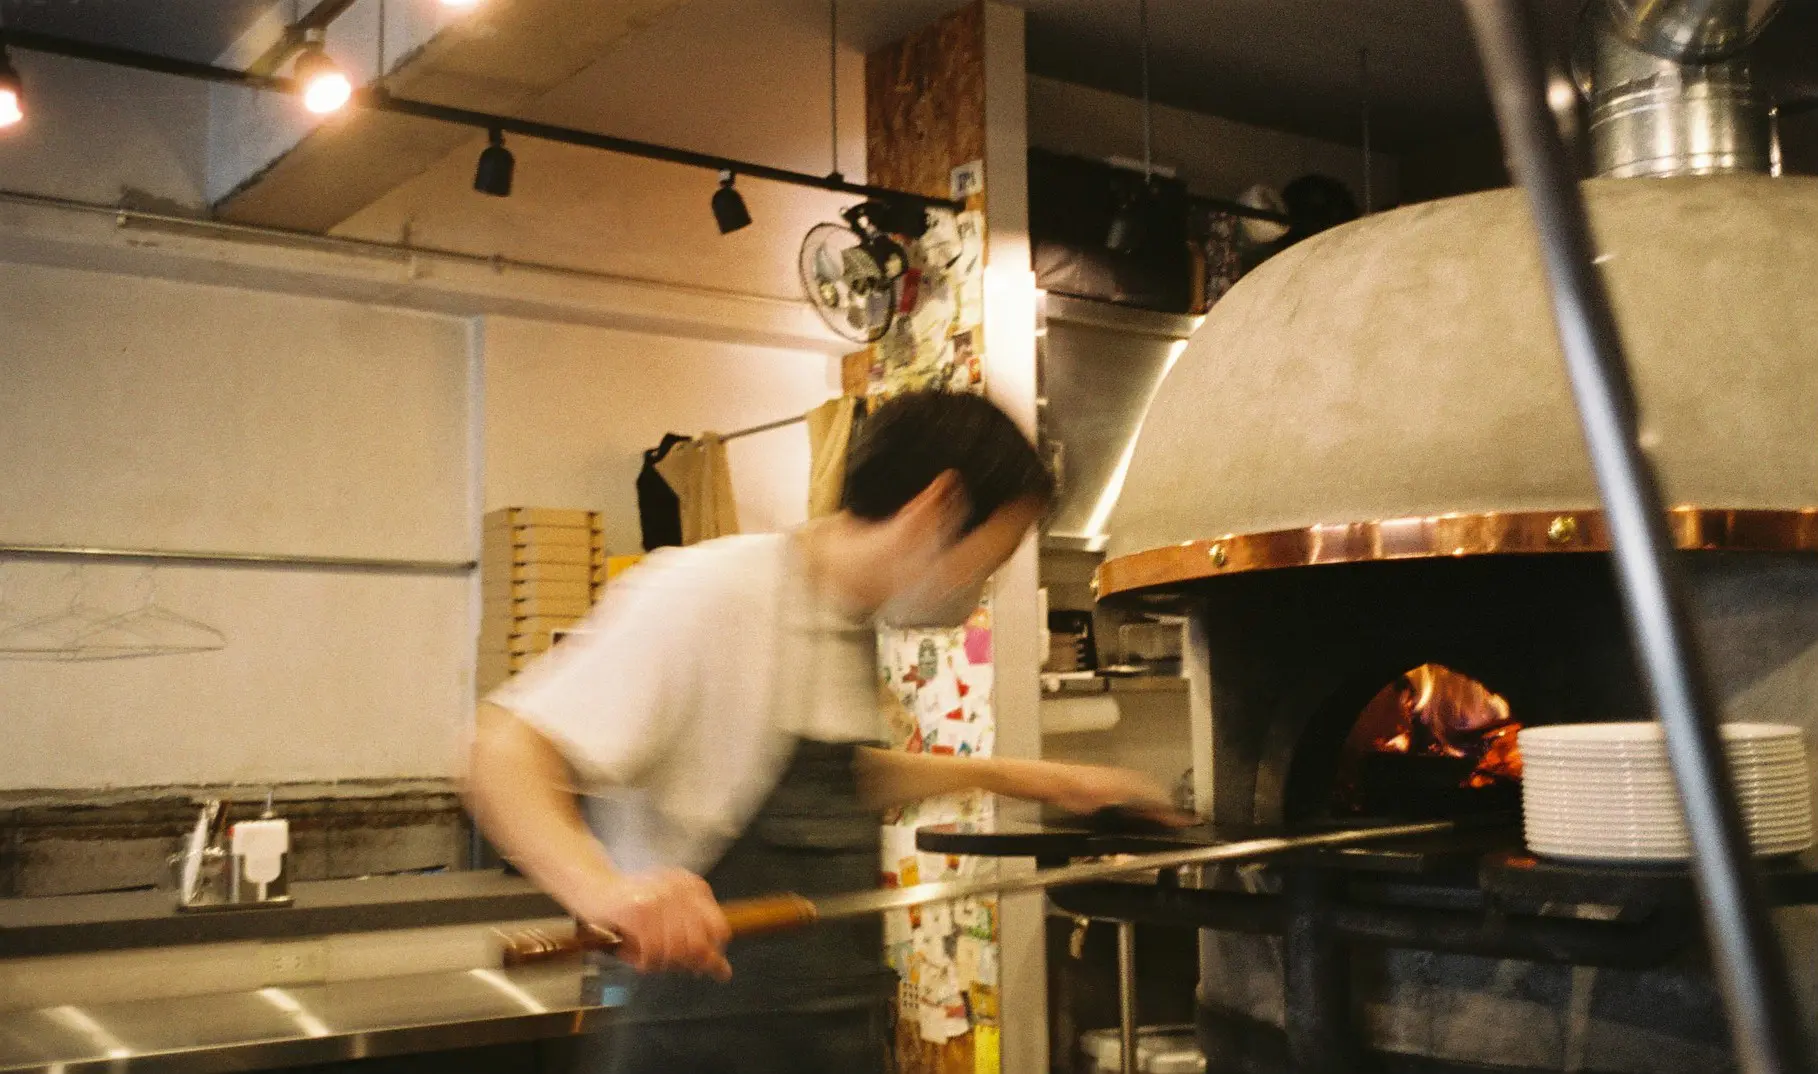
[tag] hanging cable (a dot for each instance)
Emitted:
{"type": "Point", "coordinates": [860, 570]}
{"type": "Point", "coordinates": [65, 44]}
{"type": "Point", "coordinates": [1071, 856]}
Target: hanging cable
{"type": "Point", "coordinates": [1142, 18]}
{"type": "Point", "coordinates": [833, 81]}
{"type": "Point", "coordinates": [1369, 178]}
{"type": "Point", "coordinates": [1130, 221]}
{"type": "Point", "coordinates": [378, 74]}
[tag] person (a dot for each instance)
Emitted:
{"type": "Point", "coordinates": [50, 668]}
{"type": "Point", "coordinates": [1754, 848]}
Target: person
{"type": "Point", "coordinates": [723, 698]}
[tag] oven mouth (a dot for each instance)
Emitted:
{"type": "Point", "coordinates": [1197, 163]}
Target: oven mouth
{"type": "Point", "coordinates": [1430, 743]}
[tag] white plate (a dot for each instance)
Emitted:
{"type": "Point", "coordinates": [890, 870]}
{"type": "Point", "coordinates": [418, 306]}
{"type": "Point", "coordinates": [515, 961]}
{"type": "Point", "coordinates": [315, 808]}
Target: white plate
{"type": "Point", "coordinates": [1657, 764]}
{"type": "Point", "coordinates": [1591, 806]}
{"type": "Point", "coordinates": [1648, 829]}
{"type": "Point", "coordinates": [1648, 731]}
{"type": "Point", "coordinates": [1629, 833]}
{"type": "Point", "coordinates": [1654, 772]}
{"type": "Point", "coordinates": [1533, 740]}
{"type": "Point", "coordinates": [1548, 838]}
{"type": "Point", "coordinates": [1645, 830]}
{"type": "Point", "coordinates": [1593, 812]}
{"type": "Point", "coordinates": [1665, 790]}
{"type": "Point", "coordinates": [1592, 857]}
{"type": "Point", "coordinates": [1682, 852]}
{"type": "Point", "coordinates": [1658, 816]}
{"type": "Point", "coordinates": [1549, 775]}
{"type": "Point", "coordinates": [1775, 842]}
{"type": "Point", "coordinates": [1783, 844]}
{"type": "Point", "coordinates": [1657, 768]}
{"type": "Point", "coordinates": [1566, 791]}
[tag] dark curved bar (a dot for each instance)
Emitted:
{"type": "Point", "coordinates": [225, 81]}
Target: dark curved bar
{"type": "Point", "coordinates": [1646, 944]}
{"type": "Point", "coordinates": [1745, 951]}
{"type": "Point", "coordinates": [1519, 877]}
{"type": "Point", "coordinates": [1009, 841]}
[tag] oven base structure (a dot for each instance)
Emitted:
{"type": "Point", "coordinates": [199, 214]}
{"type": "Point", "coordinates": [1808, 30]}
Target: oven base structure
{"type": "Point", "coordinates": [1332, 920]}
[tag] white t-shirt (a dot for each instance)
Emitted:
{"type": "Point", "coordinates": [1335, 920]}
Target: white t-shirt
{"type": "Point", "coordinates": [678, 699]}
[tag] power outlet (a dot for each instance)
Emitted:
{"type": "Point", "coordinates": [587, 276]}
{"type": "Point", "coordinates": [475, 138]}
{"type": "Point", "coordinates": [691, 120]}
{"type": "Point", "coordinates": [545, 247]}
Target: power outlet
{"type": "Point", "coordinates": [301, 962]}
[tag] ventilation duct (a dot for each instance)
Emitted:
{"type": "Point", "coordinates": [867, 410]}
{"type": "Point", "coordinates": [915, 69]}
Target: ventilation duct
{"type": "Point", "coordinates": [1670, 88]}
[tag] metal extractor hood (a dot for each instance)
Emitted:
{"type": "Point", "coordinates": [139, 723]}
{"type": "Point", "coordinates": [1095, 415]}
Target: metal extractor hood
{"type": "Point", "coordinates": [1101, 364]}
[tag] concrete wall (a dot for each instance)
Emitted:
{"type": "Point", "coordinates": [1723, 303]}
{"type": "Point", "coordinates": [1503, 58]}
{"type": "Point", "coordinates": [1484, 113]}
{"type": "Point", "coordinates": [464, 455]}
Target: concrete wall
{"type": "Point", "coordinates": [149, 413]}
{"type": "Point", "coordinates": [177, 414]}
{"type": "Point", "coordinates": [1214, 156]}
{"type": "Point", "coordinates": [98, 133]}
{"type": "Point", "coordinates": [570, 410]}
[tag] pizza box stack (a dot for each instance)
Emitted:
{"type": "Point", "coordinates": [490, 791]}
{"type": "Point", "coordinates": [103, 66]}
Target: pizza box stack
{"type": "Point", "coordinates": [541, 568]}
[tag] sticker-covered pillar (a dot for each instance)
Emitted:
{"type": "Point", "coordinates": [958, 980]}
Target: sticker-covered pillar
{"type": "Point", "coordinates": [946, 117]}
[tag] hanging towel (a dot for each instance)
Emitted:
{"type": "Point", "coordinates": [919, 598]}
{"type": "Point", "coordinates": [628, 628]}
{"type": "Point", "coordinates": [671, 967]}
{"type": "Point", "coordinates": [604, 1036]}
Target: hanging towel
{"type": "Point", "coordinates": [829, 434]}
{"type": "Point", "coordinates": [702, 481]}
{"type": "Point", "coordinates": [659, 511]}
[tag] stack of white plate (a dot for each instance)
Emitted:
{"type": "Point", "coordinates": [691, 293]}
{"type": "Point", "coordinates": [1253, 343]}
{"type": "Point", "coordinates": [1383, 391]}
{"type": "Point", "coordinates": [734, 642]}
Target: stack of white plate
{"type": "Point", "coordinates": [1603, 791]}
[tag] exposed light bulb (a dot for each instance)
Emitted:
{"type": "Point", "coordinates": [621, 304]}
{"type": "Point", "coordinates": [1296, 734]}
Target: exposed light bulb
{"type": "Point", "coordinates": [327, 93]}
{"type": "Point", "coordinates": [12, 93]}
{"type": "Point", "coordinates": [326, 88]}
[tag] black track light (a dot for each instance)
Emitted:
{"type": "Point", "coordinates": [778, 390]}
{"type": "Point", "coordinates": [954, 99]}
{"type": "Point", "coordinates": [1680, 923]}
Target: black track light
{"type": "Point", "coordinates": [729, 207]}
{"type": "Point", "coordinates": [12, 92]}
{"type": "Point", "coordinates": [493, 176]}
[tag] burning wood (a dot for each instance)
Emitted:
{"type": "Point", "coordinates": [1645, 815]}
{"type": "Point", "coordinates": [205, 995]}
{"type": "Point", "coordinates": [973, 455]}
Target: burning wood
{"type": "Point", "coordinates": [1433, 712]}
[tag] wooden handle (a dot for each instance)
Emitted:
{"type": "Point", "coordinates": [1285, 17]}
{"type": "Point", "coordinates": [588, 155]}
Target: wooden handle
{"type": "Point", "coordinates": [746, 917]}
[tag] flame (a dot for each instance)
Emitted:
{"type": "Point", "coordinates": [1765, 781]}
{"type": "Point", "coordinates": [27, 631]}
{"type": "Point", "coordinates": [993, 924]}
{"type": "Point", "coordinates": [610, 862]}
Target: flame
{"type": "Point", "coordinates": [1451, 715]}
{"type": "Point", "coordinates": [1435, 711]}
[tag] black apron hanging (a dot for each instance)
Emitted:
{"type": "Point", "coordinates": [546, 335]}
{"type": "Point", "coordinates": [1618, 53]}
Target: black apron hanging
{"type": "Point", "coordinates": [659, 508]}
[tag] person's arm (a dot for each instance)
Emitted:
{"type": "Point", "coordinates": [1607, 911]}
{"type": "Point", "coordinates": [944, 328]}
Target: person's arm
{"type": "Point", "coordinates": [518, 789]}
{"type": "Point", "coordinates": [893, 778]}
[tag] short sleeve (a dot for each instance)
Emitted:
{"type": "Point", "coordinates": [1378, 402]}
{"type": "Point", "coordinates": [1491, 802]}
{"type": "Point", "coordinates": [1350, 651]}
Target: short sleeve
{"type": "Point", "coordinates": [614, 695]}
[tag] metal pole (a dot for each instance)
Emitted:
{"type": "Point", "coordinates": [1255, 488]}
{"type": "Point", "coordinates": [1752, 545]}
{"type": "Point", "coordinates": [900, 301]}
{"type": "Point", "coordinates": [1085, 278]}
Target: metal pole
{"type": "Point", "coordinates": [1749, 963]}
{"type": "Point", "coordinates": [833, 82]}
{"type": "Point", "coordinates": [1126, 996]}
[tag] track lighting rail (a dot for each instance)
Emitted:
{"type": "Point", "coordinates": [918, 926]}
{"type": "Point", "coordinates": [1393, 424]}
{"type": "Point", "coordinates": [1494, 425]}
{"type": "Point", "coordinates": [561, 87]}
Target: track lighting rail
{"type": "Point", "coordinates": [380, 101]}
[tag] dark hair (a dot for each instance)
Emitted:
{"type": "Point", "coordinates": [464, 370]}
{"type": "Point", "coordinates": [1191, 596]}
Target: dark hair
{"type": "Point", "coordinates": [913, 438]}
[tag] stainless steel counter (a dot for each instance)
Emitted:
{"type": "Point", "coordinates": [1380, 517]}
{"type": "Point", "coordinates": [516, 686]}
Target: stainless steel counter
{"type": "Point", "coordinates": [276, 1027]}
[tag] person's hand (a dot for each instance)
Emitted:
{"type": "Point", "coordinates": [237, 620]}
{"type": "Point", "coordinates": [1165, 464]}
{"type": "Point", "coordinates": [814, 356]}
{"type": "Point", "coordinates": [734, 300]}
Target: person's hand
{"type": "Point", "coordinates": [1082, 789]}
{"type": "Point", "coordinates": [666, 919]}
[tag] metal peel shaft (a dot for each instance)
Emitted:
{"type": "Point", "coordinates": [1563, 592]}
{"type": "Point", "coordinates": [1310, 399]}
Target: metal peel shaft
{"type": "Point", "coordinates": [778, 913]}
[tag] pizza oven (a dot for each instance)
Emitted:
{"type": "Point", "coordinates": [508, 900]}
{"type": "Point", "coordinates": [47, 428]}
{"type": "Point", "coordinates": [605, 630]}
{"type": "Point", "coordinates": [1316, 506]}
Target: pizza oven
{"type": "Point", "coordinates": [1364, 487]}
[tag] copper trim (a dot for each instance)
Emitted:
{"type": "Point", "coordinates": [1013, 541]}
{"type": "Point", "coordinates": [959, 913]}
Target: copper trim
{"type": "Point", "coordinates": [1156, 570]}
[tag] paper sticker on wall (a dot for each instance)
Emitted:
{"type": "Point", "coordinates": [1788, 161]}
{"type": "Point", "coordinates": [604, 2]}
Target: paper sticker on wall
{"type": "Point", "coordinates": [985, 1051]}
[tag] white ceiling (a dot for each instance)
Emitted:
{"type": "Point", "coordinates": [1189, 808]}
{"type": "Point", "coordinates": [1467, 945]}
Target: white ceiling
{"type": "Point", "coordinates": [1292, 64]}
